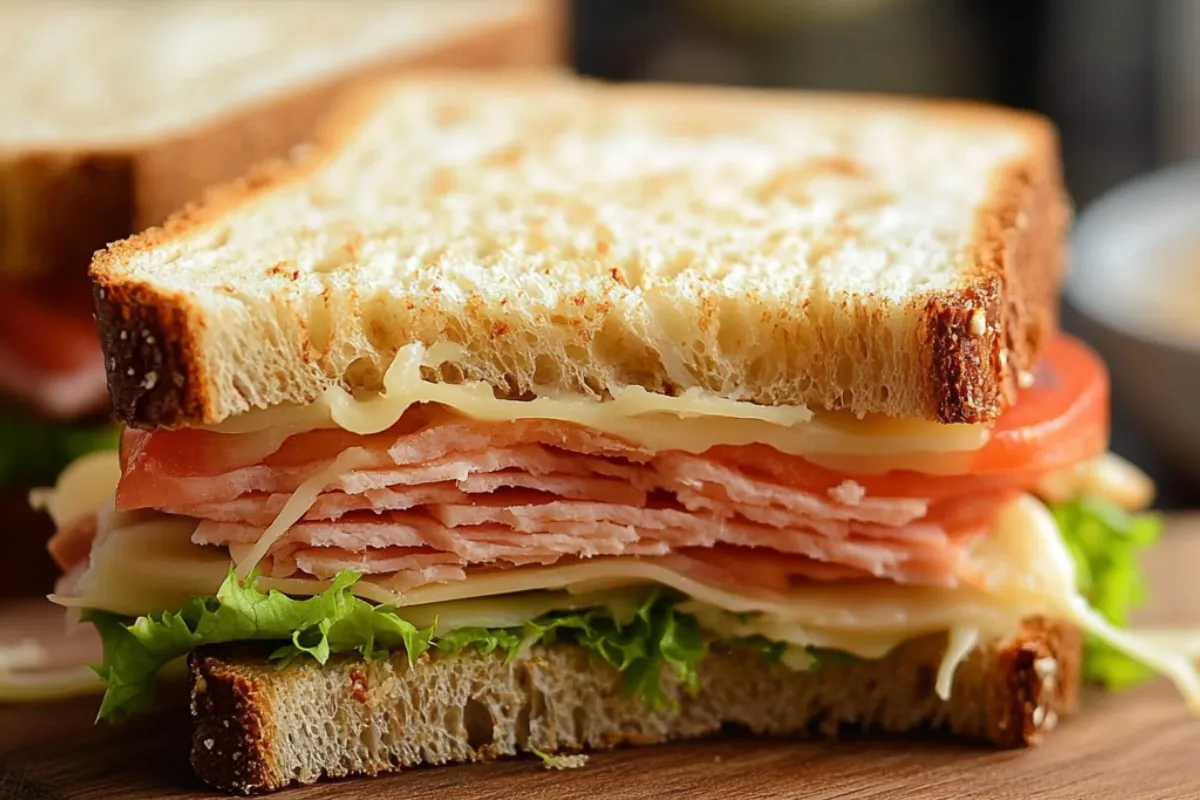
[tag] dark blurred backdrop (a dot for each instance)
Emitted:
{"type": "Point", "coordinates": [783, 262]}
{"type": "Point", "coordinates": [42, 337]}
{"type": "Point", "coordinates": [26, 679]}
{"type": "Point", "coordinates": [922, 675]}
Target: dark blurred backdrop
{"type": "Point", "coordinates": [1121, 78]}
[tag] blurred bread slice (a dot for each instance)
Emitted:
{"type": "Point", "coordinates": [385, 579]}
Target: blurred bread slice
{"type": "Point", "coordinates": [117, 113]}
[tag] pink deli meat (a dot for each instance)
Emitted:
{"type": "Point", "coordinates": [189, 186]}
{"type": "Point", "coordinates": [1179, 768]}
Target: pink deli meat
{"type": "Point", "coordinates": [439, 496]}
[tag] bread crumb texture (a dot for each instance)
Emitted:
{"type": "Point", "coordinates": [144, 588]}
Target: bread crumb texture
{"type": "Point", "coordinates": [876, 255]}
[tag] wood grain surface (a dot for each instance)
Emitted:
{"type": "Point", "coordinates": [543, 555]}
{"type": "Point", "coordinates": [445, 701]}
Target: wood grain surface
{"type": "Point", "coordinates": [1141, 744]}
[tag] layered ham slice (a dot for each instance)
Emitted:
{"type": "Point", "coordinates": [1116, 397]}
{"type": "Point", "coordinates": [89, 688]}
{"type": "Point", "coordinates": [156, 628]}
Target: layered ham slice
{"type": "Point", "coordinates": [439, 496]}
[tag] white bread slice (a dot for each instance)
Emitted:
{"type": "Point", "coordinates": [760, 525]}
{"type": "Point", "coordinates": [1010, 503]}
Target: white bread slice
{"type": "Point", "coordinates": [878, 255]}
{"type": "Point", "coordinates": [259, 728]}
{"type": "Point", "coordinates": [117, 113]}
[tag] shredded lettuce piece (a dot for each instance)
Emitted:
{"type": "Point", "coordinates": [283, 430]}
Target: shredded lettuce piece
{"type": "Point", "coordinates": [560, 761]}
{"type": "Point", "coordinates": [770, 651]}
{"type": "Point", "coordinates": [334, 621]}
{"type": "Point", "coordinates": [638, 645]}
{"type": "Point", "coordinates": [33, 451]}
{"type": "Point", "coordinates": [1105, 542]}
{"type": "Point", "coordinates": [773, 652]}
{"type": "Point", "coordinates": [484, 641]}
{"type": "Point", "coordinates": [825, 658]}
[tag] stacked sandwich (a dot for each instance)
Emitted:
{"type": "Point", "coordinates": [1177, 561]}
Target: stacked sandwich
{"type": "Point", "coordinates": [536, 415]}
{"type": "Point", "coordinates": [115, 114]}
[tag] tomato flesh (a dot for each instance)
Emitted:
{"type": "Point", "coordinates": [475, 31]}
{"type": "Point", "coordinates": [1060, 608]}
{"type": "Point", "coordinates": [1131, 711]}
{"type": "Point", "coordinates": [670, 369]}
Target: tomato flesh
{"type": "Point", "coordinates": [1062, 419]}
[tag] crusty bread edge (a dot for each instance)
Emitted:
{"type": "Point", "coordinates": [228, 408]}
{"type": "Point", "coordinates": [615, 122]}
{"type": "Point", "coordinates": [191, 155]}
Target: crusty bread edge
{"type": "Point", "coordinates": [59, 204]}
{"type": "Point", "coordinates": [974, 370]}
{"type": "Point", "coordinates": [1018, 263]}
{"type": "Point", "coordinates": [1033, 680]}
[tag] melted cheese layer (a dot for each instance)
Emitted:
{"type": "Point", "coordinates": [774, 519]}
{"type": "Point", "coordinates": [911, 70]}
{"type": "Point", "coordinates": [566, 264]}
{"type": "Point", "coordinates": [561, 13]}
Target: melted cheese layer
{"type": "Point", "coordinates": [692, 422]}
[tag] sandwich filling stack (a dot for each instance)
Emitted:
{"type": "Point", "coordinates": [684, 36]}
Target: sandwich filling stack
{"type": "Point", "coordinates": [535, 415]}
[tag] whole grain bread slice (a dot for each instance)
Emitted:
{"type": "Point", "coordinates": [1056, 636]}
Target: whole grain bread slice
{"type": "Point", "coordinates": [259, 728]}
{"type": "Point", "coordinates": [880, 255]}
{"type": "Point", "coordinates": [118, 113]}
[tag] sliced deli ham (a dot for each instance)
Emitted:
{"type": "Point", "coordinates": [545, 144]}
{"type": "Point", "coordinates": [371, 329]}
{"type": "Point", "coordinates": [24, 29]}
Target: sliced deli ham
{"type": "Point", "coordinates": [439, 495]}
{"type": "Point", "coordinates": [544, 533]}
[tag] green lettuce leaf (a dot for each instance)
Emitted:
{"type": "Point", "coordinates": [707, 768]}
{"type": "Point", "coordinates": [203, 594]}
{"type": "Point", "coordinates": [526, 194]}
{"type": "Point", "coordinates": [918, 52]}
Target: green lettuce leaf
{"type": "Point", "coordinates": [1105, 542]}
{"type": "Point", "coordinates": [641, 637]}
{"type": "Point", "coordinates": [34, 451]}
{"type": "Point", "coordinates": [484, 641]}
{"type": "Point", "coordinates": [824, 658]}
{"type": "Point", "coordinates": [638, 644]}
{"type": "Point", "coordinates": [771, 652]}
{"type": "Point", "coordinates": [334, 621]}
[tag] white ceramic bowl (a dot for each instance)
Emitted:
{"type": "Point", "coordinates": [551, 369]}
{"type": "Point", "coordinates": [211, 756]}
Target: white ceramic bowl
{"type": "Point", "coordinates": [1135, 287]}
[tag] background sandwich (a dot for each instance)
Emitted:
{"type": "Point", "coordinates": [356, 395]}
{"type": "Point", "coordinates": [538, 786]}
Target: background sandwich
{"type": "Point", "coordinates": [116, 114]}
{"type": "Point", "coordinates": [528, 414]}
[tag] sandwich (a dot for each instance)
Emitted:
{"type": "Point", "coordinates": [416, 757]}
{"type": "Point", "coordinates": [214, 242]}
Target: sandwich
{"type": "Point", "coordinates": [533, 415]}
{"type": "Point", "coordinates": [117, 113]}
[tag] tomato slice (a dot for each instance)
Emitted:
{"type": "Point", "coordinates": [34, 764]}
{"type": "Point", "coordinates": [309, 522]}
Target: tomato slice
{"type": "Point", "coordinates": [1059, 421]}
{"type": "Point", "coordinates": [1062, 419]}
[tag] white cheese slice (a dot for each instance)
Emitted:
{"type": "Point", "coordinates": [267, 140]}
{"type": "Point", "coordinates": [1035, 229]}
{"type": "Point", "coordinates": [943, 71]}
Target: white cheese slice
{"type": "Point", "coordinates": [83, 487]}
{"type": "Point", "coordinates": [693, 421]}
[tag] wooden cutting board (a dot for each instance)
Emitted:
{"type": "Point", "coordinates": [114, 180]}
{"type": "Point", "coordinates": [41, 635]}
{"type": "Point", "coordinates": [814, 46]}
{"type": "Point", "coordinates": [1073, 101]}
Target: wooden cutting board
{"type": "Point", "coordinates": [1141, 744]}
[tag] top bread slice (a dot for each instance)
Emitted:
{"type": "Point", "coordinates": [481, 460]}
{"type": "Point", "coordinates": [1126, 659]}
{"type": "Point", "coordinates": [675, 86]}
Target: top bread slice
{"type": "Point", "coordinates": [883, 256]}
{"type": "Point", "coordinates": [117, 113]}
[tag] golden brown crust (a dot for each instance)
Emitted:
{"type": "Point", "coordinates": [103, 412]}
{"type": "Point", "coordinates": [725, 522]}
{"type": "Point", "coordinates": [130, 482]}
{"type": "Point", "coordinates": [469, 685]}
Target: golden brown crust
{"type": "Point", "coordinates": [1008, 694]}
{"type": "Point", "coordinates": [977, 341]}
{"type": "Point", "coordinates": [58, 207]}
{"type": "Point", "coordinates": [1017, 268]}
{"type": "Point", "coordinates": [1040, 676]}
{"type": "Point", "coordinates": [227, 743]}
{"type": "Point", "coordinates": [148, 346]}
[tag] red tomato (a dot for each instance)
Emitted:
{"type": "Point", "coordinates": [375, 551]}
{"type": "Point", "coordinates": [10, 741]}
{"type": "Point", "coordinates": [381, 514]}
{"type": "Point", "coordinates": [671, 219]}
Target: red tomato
{"type": "Point", "coordinates": [1061, 420]}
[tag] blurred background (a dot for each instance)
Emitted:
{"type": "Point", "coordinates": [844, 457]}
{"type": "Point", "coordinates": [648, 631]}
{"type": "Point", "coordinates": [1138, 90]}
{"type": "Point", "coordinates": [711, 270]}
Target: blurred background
{"type": "Point", "coordinates": [1120, 78]}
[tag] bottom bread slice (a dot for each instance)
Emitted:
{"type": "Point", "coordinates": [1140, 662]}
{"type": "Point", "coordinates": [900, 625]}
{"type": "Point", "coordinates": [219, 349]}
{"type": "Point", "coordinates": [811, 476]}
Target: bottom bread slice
{"type": "Point", "coordinates": [260, 728]}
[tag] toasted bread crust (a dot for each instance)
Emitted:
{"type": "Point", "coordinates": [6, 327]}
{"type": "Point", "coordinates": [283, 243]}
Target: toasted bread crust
{"type": "Point", "coordinates": [233, 754]}
{"type": "Point", "coordinates": [1019, 265]}
{"type": "Point", "coordinates": [58, 207]}
{"type": "Point", "coordinates": [248, 739]}
{"type": "Point", "coordinates": [976, 342]}
{"type": "Point", "coordinates": [1041, 674]}
{"type": "Point", "coordinates": [1021, 262]}
{"type": "Point", "coordinates": [146, 335]}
